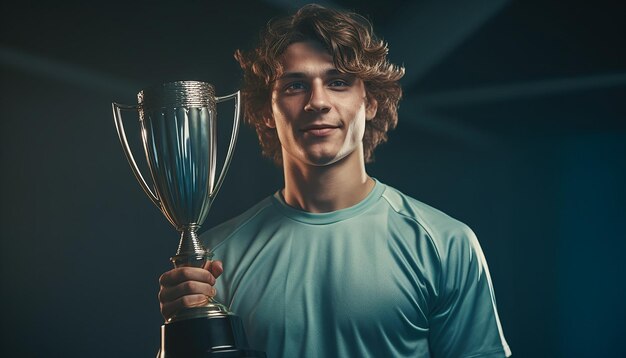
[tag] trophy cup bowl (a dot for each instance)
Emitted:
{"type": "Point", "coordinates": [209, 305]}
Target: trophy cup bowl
{"type": "Point", "coordinates": [178, 123]}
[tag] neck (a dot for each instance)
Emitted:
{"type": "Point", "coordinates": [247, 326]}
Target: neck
{"type": "Point", "coordinates": [320, 189]}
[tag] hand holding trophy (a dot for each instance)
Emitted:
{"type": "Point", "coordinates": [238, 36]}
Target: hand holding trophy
{"type": "Point", "coordinates": [179, 137]}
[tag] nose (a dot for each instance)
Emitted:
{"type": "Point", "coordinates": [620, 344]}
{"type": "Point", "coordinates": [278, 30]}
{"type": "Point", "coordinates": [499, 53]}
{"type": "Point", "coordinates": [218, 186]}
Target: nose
{"type": "Point", "coordinates": [318, 100]}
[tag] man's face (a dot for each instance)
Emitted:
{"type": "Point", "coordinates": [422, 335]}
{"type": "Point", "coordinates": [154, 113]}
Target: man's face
{"type": "Point", "coordinates": [319, 113]}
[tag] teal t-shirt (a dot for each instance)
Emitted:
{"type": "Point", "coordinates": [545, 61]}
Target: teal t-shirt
{"type": "Point", "coordinates": [388, 277]}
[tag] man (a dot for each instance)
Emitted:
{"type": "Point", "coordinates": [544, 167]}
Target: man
{"type": "Point", "coordinates": [337, 264]}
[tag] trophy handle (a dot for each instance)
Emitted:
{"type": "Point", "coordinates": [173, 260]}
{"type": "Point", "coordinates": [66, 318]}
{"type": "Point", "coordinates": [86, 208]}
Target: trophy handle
{"type": "Point", "coordinates": [119, 125]}
{"type": "Point", "coordinates": [233, 139]}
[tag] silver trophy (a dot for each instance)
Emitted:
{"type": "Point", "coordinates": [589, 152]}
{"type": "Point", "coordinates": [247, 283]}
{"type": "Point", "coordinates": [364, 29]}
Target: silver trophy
{"type": "Point", "coordinates": [179, 136]}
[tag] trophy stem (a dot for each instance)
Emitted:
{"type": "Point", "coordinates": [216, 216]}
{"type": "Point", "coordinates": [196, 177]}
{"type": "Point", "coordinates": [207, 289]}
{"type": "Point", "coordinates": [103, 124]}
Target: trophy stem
{"type": "Point", "coordinates": [190, 251]}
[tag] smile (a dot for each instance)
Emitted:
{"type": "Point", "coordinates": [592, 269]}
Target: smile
{"type": "Point", "coordinates": [320, 130]}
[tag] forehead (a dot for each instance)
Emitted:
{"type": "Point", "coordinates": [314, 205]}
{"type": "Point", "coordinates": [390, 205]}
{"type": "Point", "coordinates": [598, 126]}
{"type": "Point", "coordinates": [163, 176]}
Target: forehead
{"type": "Point", "coordinates": [307, 56]}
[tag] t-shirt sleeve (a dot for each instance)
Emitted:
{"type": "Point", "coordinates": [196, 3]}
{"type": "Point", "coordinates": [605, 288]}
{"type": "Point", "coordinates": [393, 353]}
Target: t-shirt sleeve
{"type": "Point", "coordinates": [464, 321]}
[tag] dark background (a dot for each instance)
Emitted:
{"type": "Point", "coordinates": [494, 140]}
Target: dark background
{"type": "Point", "coordinates": [513, 121]}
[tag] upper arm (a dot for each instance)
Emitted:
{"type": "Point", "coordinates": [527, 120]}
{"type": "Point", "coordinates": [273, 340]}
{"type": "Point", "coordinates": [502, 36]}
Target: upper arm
{"type": "Point", "coordinates": [464, 321]}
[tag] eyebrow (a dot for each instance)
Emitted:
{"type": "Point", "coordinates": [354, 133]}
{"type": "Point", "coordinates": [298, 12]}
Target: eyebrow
{"type": "Point", "coordinates": [300, 75]}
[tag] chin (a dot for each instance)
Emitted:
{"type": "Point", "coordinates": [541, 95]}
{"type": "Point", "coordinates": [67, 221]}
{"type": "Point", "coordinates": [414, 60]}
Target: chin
{"type": "Point", "coordinates": [320, 161]}
{"type": "Point", "coordinates": [325, 159]}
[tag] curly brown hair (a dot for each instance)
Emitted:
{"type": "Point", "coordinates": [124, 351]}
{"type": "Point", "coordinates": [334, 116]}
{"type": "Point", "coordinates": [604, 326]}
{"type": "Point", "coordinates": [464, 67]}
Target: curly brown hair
{"type": "Point", "coordinates": [355, 49]}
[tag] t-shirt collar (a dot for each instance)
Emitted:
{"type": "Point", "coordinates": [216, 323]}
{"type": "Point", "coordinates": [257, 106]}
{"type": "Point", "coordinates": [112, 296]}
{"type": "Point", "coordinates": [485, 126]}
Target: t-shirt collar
{"type": "Point", "coordinates": [329, 217]}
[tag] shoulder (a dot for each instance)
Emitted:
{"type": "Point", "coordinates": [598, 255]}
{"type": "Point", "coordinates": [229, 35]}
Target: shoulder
{"type": "Point", "coordinates": [444, 231]}
{"type": "Point", "coordinates": [222, 232]}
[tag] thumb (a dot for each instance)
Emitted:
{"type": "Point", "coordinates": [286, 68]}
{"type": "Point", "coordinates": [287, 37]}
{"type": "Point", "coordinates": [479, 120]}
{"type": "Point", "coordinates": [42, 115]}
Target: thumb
{"type": "Point", "coordinates": [214, 267]}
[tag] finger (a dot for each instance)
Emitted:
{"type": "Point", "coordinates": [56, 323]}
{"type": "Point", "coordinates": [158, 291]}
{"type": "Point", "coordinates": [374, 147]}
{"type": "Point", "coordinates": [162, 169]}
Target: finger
{"type": "Point", "coordinates": [170, 308]}
{"type": "Point", "coordinates": [216, 268]}
{"type": "Point", "coordinates": [187, 288]}
{"type": "Point", "coordinates": [182, 274]}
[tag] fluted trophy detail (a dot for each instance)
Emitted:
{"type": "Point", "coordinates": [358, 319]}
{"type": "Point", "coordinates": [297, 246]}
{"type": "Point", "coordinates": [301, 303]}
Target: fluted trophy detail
{"type": "Point", "coordinates": [178, 122]}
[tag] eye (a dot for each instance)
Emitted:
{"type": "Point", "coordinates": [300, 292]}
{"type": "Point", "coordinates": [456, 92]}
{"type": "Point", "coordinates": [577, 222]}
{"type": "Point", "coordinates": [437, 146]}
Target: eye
{"type": "Point", "coordinates": [338, 83]}
{"type": "Point", "coordinates": [295, 87]}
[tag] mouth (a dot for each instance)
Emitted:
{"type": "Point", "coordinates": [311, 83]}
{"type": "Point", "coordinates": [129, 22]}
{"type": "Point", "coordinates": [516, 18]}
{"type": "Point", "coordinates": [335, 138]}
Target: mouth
{"type": "Point", "coordinates": [319, 130]}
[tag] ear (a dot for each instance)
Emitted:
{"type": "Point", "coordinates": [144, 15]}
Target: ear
{"type": "Point", "coordinates": [268, 116]}
{"type": "Point", "coordinates": [269, 121]}
{"type": "Point", "coordinates": [370, 108]}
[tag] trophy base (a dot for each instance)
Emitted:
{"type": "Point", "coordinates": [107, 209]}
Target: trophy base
{"type": "Point", "coordinates": [216, 336]}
